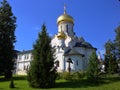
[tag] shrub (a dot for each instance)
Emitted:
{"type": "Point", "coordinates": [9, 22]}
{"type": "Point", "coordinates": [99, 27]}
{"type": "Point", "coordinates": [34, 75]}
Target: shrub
{"type": "Point", "coordinates": [71, 76]}
{"type": "Point", "coordinates": [79, 75]}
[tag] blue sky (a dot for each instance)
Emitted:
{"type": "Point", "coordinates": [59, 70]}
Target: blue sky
{"type": "Point", "coordinates": [95, 20]}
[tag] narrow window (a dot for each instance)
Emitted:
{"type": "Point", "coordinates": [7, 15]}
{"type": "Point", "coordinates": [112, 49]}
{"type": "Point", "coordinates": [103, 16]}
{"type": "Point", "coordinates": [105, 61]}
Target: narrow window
{"type": "Point", "coordinates": [27, 56]}
{"type": "Point", "coordinates": [61, 27]}
{"type": "Point", "coordinates": [67, 29]}
{"type": "Point", "coordinates": [19, 57]}
{"type": "Point", "coordinates": [77, 62]}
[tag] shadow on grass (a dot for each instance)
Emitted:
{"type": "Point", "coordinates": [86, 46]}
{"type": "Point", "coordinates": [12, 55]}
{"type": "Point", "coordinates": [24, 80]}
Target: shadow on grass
{"type": "Point", "coordinates": [75, 84]}
{"type": "Point", "coordinates": [84, 83]}
{"type": "Point", "coordinates": [2, 79]}
{"type": "Point", "coordinates": [111, 79]}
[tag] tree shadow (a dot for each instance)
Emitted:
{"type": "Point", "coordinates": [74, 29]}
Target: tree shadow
{"type": "Point", "coordinates": [75, 84]}
{"type": "Point", "coordinates": [16, 88]}
{"type": "Point", "coordinates": [84, 83]}
{"type": "Point", "coordinates": [112, 79]}
{"type": "Point", "coordinates": [2, 79]}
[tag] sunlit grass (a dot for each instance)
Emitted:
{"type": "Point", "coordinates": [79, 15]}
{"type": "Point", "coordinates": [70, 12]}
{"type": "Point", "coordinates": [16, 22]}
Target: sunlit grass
{"type": "Point", "coordinates": [108, 83]}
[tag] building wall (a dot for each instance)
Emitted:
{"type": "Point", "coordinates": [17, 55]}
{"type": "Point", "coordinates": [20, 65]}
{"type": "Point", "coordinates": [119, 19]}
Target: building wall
{"type": "Point", "coordinates": [60, 58]}
{"type": "Point", "coordinates": [86, 52]}
{"type": "Point", "coordinates": [23, 62]}
{"type": "Point", "coordinates": [77, 64]}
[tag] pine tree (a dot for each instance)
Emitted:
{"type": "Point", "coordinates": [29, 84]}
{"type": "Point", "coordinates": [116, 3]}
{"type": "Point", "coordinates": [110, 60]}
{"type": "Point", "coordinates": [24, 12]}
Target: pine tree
{"type": "Point", "coordinates": [93, 68]}
{"type": "Point", "coordinates": [7, 39]}
{"type": "Point", "coordinates": [40, 73]}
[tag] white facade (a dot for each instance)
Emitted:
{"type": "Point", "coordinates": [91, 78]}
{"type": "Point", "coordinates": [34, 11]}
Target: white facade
{"type": "Point", "coordinates": [23, 62]}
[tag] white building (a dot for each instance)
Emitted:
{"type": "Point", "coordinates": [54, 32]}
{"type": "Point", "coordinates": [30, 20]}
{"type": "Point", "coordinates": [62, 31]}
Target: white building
{"type": "Point", "coordinates": [23, 61]}
{"type": "Point", "coordinates": [67, 46]}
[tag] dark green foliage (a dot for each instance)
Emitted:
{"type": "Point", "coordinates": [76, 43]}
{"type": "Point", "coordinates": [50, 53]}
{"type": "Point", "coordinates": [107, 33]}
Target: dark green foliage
{"type": "Point", "coordinates": [40, 73]}
{"type": "Point", "coordinates": [117, 43]}
{"type": "Point", "coordinates": [93, 68]}
{"type": "Point", "coordinates": [112, 64]}
{"type": "Point", "coordinates": [7, 39]}
{"type": "Point", "coordinates": [79, 75]}
{"type": "Point", "coordinates": [11, 84]}
{"type": "Point", "coordinates": [110, 57]}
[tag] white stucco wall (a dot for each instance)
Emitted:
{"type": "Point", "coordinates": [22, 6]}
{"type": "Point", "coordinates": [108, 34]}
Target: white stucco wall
{"type": "Point", "coordinates": [23, 62]}
{"type": "Point", "coordinates": [77, 64]}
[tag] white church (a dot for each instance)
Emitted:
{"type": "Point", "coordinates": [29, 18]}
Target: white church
{"type": "Point", "coordinates": [67, 47]}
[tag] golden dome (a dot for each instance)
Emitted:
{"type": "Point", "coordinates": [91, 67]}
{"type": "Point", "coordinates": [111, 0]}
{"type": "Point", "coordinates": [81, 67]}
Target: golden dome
{"type": "Point", "coordinates": [61, 35]}
{"type": "Point", "coordinates": [65, 17]}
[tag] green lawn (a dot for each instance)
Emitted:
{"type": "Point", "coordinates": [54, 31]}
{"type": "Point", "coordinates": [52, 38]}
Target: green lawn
{"type": "Point", "coordinates": [109, 83]}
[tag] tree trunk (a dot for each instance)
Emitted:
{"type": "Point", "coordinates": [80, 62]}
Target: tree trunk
{"type": "Point", "coordinates": [8, 74]}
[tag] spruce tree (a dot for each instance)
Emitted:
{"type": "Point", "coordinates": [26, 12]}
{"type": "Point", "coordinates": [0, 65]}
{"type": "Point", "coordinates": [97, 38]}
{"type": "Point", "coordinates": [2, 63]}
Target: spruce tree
{"type": "Point", "coordinates": [93, 68]}
{"type": "Point", "coordinates": [7, 39]}
{"type": "Point", "coordinates": [40, 73]}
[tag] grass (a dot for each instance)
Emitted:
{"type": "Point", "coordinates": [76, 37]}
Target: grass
{"type": "Point", "coordinates": [107, 83]}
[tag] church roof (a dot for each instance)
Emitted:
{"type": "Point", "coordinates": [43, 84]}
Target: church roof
{"type": "Point", "coordinates": [81, 39]}
{"type": "Point", "coordinates": [83, 43]}
{"type": "Point", "coordinates": [24, 52]}
{"type": "Point", "coordinates": [65, 17]}
{"type": "Point", "coordinates": [73, 52]}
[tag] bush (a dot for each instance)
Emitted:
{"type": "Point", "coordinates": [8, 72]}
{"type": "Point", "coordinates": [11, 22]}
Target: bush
{"type": "Point", "coordinates": [66, 75]}
{"type": "Point", "coordinates": [79, 75]}
{"type": "Point", "coordinates": [59, 76]}
{"type": "Point", "coordinates": [71, 76]}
